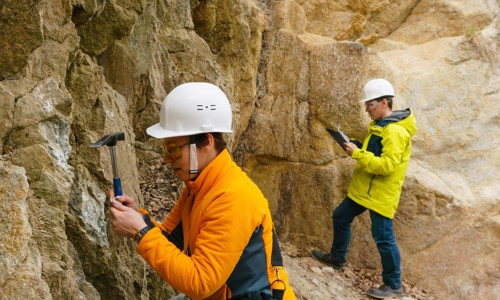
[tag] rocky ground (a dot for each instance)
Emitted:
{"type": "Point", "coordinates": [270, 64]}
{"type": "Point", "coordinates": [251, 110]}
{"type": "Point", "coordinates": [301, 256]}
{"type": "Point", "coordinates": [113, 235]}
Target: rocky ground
{"type": "Point", "coordinates": [310, 279]}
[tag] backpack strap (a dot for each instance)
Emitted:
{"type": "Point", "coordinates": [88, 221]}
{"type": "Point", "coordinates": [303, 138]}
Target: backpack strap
{"type": "Point", "coordinates": [277, 265]}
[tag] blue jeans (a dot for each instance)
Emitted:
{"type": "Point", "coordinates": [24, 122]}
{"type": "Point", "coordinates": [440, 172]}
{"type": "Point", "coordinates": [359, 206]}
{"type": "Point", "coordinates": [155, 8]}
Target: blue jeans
{"type": "Point", "coordinates": [382, 233]}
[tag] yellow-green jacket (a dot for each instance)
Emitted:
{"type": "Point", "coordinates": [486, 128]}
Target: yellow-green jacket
{"type": "Point", "coordinates": [224, 234]}
{"type": "Point", "coordinates": [381, 163]}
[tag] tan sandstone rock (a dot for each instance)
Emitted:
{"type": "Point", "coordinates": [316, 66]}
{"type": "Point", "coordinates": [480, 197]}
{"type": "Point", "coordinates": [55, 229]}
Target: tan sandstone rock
{"type": "Point", "coordinates": [72, 71]}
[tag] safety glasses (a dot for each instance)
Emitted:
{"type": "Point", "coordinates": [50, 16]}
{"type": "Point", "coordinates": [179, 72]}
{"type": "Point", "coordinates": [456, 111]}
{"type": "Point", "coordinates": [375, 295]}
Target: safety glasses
{"type": "Point", "coordinates": [173, 150]}
{"type": "Point", "coordinates": [372, 104]}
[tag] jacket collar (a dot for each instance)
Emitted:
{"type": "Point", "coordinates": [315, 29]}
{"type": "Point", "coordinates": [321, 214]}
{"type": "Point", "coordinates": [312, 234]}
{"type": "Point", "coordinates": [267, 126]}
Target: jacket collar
{"type": "Point", "coordinates": [207, 177]}
{"type": "Point", "coordinates": [396, 116]}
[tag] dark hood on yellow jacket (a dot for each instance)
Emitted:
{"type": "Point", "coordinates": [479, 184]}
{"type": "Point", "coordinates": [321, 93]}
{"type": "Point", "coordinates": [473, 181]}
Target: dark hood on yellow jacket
{"type": "Point", "coordinates": [404, 118]}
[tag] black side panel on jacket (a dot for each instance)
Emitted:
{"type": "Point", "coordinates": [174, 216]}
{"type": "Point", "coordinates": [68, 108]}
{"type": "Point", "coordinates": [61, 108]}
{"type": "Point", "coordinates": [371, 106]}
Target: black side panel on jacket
{"type": "Point", "coordinates": [250, 273]}
{"type": "Point", "coordinates": [375, 145]}
{"type": "Point", "coordinates": [176, 237]}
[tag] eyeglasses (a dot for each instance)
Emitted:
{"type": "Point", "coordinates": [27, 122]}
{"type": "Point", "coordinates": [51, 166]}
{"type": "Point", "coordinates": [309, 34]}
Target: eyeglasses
{"type": "Point", "coordinates": [372, 104]}
{"type": "Point", "coordinates": [173, 150]}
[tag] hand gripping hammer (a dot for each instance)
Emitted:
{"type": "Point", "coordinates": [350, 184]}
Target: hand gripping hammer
{"type": "Point", "coordinates": [111, 140]}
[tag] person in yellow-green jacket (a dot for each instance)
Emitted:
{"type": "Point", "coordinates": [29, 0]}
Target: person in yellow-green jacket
{"type": "Point", "coordinates": [218, 242]}
{"type": "Point", "coordinates": [382, 160]}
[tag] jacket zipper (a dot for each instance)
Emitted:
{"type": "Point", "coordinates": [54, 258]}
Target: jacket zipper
{"type": "Point", "coordinates": [370, 185]}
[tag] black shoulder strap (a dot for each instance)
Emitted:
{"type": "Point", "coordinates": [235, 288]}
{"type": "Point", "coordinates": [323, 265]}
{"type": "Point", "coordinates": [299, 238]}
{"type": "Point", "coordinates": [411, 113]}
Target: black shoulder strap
{"type": "Point", "coordinates": [276, 259]}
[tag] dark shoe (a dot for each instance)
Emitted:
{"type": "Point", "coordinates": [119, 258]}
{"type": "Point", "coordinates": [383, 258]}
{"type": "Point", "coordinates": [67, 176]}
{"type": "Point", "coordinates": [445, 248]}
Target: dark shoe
{"type": "Point", "coordinates": [385, 292]}
{"type": "Point", "coordinates": [328, 259]}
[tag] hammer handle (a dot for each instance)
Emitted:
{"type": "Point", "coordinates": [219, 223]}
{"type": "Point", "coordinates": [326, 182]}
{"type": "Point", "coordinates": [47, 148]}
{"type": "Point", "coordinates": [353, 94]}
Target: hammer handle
{"type": "Point", "coordinates": [117, 186]}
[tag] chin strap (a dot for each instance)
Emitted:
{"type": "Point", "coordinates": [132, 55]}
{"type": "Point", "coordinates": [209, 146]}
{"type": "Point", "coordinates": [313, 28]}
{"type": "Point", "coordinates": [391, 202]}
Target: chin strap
{"type": "Point", "coordinates": [193, 158]}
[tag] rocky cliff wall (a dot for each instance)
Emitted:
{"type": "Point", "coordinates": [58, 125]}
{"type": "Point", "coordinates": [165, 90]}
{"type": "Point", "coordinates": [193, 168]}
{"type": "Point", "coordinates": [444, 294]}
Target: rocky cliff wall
{"type": "Point", "coordinates": [72, 71]}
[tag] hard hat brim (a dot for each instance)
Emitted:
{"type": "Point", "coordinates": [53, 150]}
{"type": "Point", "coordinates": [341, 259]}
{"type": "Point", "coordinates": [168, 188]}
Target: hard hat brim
{"type": "Point", "coordinates": [369, 99]}
{"type": "Point", "coordinates": [158, 132]}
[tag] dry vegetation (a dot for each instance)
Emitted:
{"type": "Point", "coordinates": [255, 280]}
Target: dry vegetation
{"type": "Point", "coordinates": [159, 186]}
{"type": "Point", "coordinates": [484, 46]}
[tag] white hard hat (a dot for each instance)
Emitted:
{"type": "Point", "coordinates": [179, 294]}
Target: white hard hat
{"type": "Point", "coordinates": [192, 108]}
{"type": "Point", "coordinates": [377, 88]}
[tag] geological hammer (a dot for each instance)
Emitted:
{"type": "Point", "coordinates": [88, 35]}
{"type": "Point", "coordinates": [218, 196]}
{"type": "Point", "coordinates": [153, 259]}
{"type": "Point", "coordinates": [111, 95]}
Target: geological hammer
{"type": "Point", "coordinates": [111, 140]}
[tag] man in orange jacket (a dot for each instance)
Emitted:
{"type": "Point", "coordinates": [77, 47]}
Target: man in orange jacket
{"type": "Point", "coordinates": [218, 242]}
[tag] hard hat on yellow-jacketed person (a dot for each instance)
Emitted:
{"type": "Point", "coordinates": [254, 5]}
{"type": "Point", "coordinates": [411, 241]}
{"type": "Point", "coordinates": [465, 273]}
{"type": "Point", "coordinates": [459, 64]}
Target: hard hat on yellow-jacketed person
{"type": "Point", "coordinates": [377, 88]}
{"type": "Point", "coordinates": [193, 108]}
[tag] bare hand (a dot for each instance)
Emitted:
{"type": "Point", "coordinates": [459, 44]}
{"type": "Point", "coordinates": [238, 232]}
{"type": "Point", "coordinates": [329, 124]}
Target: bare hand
{"type": "Point", "coordinates": [126, 221]}
{"type": "Point", "coordinates": [349, 148]}
{"type": "Point", "coordinates": [124, 199]}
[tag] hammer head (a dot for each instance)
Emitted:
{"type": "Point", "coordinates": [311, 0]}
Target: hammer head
{"type": "Point", "coordinates": [109, 140]}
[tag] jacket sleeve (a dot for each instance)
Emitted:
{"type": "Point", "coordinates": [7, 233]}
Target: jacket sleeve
{"type": "Point", "coordinates": [225, 228]}
{"type": "Point", "coordinates": [145, 213]}
{"type": "Point", "coordinates": [394, 143]}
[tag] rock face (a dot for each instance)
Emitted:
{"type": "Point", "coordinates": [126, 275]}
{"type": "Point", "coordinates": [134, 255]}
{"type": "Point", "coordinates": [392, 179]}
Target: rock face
{"type": "Point", "coordinates": [71, 72]}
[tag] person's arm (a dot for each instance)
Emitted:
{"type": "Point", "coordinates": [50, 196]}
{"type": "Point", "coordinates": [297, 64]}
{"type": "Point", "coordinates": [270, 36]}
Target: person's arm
{"type": "Point", "coordinates": [125, 220]}
{"type": "Point", "coordinates": [394, 143]}
{"type": "Point", "coordinates": [224, 230]}
{"type": "Point", "coordinates": [350, 147]}
{"type": "Point", "coordinates": [356, 142]}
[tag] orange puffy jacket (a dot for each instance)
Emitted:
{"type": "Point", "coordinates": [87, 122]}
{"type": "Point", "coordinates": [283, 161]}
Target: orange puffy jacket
{"type": "Point", "coordinates": [226, 243]}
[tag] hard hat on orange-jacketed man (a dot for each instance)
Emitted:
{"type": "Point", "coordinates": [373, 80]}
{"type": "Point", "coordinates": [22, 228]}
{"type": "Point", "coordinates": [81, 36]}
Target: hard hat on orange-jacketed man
{"type": "Point", "coordinates": [193, 108]}
{"type": "Point", "coordinates": [377, 88]}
